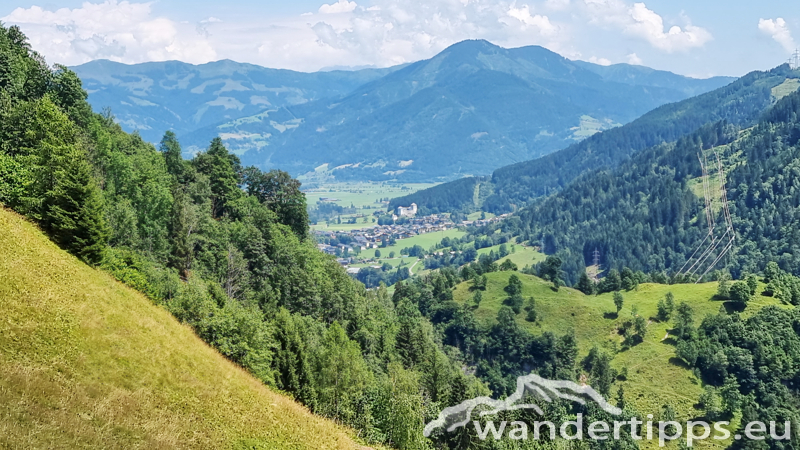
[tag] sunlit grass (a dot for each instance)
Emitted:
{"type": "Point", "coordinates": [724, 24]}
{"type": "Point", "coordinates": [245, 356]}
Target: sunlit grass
{"type": "Point", "coordinates": [655, 375]}
{"type": "Point", "coordinates": [88, 363]}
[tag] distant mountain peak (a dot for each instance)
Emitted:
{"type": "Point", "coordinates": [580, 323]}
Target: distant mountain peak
{"type": "Point", "coordinates": [473, 107]}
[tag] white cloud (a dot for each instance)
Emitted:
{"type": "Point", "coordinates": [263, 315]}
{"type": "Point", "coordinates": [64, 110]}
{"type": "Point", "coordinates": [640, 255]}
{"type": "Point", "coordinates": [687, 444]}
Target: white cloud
{"type": "Point", "coordinates": [342, 6]}
{"type": "Point", "coordinates": [391, 32]}
{"type": "Point", "coordinates": [120, 31]}
{"type": "Point", "coordinates": [340, 33]}
{"type": "Point", "coordinates": [634, 59]}
{"type": "Point", "coordinates": [600, 61]}
{"type": "Point", "coordinates": [639, 21]}
{"type": "Point", "coordinates": [538, 22]}
{"type": "Point", "coordinates": [778, 31]}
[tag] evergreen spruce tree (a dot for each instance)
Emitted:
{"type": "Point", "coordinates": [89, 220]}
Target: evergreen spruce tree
{"type": "Point", "coordinates": [171, 149]}
{"type": "Point", "coordinates": [224, 173]}
{"type": "Point", "coordinates": [180, 232]}
{"type": "Point", "coordinates": [585, 284]}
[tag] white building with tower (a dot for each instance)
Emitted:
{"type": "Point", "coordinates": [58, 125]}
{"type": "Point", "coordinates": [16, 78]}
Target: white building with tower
{"type": "Point", "coordinates": [407, 211]}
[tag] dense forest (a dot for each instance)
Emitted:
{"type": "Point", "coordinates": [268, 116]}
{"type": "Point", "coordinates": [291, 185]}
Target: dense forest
{"type": "Point", "coordinates": [646, 216]}
{"type": "Point", "coordinates": [740, 103]}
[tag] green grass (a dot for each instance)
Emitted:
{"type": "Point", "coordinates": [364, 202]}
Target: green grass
{"type": "Point", "coordinates": [363, 196]}
{"type": "Point", "coordinates": [522, 256]}
{"type": "Point", "coordinates": [341, 226]}
{"type": "Point", "coordinates": [655, 375]}
{"type": "Point", "coordinates": [787, 87]}
{"type": "Point", "coordinates": [86, 362]}
{"type": "Point", "coordinates": [477, 215]}
{"type": "Point", "coordinates": [426, 240]}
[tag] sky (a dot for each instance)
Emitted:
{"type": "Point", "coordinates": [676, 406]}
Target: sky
{"type": "Point", "coordinates": [699, 38]}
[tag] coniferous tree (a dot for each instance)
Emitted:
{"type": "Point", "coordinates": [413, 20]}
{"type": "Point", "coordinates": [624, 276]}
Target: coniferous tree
{"type": "Point", "coordinates": [585, 284]}
{"type": "Point", "coordinates": [223, 170]}
{"type": "Point", "coordinates": [684, 320]}
{"type": "Point", "coordinates": [181, 228]}
{"type": "Point", "coordinates": [74, 207]}
{"type": "Point", "coordinates": [171, 149]}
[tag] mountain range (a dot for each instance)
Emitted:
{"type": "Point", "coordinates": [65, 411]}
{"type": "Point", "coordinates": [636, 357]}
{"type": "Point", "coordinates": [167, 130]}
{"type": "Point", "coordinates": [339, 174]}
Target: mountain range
{"type": "Point", "coordinates": [511, 187]}
{"type": "Point", "coordinates": [470, 109]}
{"type": "Point", "coordinates": [154, 97]}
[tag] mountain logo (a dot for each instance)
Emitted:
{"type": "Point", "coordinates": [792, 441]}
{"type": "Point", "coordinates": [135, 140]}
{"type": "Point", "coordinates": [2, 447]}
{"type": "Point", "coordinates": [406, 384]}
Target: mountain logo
{"type": "Point", "coordinates": [528, 386]}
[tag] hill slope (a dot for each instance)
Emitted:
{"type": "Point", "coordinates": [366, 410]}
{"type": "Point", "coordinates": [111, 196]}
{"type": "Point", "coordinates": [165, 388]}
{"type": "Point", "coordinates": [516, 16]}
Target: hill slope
{"type": "Point", "coordinates": [470, 108]}
{"type": "Point", "coordinates": [740, 103]}
{"type": "Point", "coordinates": [87, 362]}
{"type": "Point", "coordinates": [648, 213]}
{"type": "Point", "coordinates": [655, 375]}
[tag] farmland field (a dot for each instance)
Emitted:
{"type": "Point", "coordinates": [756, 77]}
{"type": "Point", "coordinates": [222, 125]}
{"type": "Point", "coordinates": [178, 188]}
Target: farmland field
{"type": "Point", "coordinates": [426, 240]}
{"type": "Point", "coordinates": [365, 197]}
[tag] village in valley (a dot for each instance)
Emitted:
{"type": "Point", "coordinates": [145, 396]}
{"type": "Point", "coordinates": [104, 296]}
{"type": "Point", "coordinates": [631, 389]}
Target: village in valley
{"type": "Point", "coordinates": [357, 246]}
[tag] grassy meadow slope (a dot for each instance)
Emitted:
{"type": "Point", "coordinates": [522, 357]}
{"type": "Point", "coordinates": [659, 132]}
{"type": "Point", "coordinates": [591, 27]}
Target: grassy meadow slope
{"type": "Point", "coordinates": [88, 363]}
{"type": "Point", "coordinates": [655, 375]}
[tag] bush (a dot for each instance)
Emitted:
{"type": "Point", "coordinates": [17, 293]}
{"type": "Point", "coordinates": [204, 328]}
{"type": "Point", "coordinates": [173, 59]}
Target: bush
{"type": "Point", "coordinates": [740, 292]}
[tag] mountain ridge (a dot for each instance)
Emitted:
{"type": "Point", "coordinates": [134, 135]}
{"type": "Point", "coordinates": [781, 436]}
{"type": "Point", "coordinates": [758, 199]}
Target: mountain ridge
{"type": "Point", "coordinates": [474, 101]}
{"type": "Point", "coordinates": [474, 97]}
{"type": "Point", "coordinates": [145, 97]}
{"type": "Point", "coordinates": [517, 184]}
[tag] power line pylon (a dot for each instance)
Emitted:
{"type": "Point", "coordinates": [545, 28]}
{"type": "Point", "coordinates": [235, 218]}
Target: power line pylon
{"type": "Point", "coordinates": [596, 264]}
{"type": "Point", "coordinates": [794, 61]}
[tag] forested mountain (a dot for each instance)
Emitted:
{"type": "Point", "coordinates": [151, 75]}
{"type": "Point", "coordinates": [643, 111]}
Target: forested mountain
{"type": "Point", "coordinates": [468, 110]}
{"type": "Point", "coordinates": [646, 214]}
{"type": "Point", "coordinates": [740, 103]}
{"type": "Point", "coordinates": [645, 76]}
{"type": "Point", "coordinates": [154, 97]}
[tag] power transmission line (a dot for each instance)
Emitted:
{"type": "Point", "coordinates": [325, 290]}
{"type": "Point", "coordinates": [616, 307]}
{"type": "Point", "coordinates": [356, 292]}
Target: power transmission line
{"type": "Point", "coordinates": [794, 61]}
{"type": "Point", "coordinates": [709, 218]}
{"type": "Point", "coordinates": [728, 237]}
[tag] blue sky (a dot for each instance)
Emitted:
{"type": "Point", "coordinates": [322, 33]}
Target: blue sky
{"type": "Point", "coordinates": [698, 38]}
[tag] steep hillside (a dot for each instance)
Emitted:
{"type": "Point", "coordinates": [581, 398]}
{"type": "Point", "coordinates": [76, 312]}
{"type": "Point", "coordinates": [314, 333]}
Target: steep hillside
{"type": "Point", "coordinates": [655, 375]}
{"type": "Point", "coordinates": [648, 213]}
{"type": "Point", "coordinates": [471, 108]}
{"type": "Point", "coordinates": [157, 96]}
{"type": "Point", "coordinates": [741, 103]}
{"type": "Point", "coordinates": [88, 363]}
